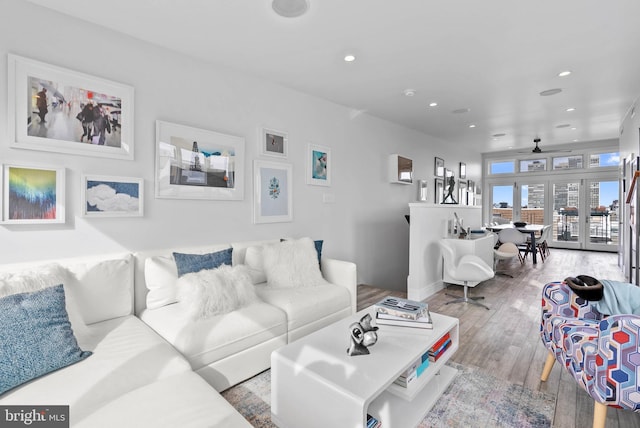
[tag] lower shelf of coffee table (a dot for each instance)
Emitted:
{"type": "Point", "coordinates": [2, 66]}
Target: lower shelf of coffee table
{"type": "Point", "coordinates": [395, 411]}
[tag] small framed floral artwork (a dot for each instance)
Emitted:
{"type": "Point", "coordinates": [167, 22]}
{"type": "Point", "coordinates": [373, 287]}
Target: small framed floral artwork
{"type": "Point", "coordinates": [32, 195]}
{"type": "Point", "coordinates": [274, 143]}
{"type": "Point", "coordinates": [105, 196]}
{"type": "Point", "coordinates": [318, 165]}
{"type": "Point", "coordinates": [273, 195]}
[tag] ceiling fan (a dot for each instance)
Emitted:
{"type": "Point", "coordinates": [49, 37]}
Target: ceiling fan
{"type": "Point", "coordinates": [538, 150]}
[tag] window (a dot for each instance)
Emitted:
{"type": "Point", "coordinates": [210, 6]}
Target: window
{"type": "Point", "coordinates": [567, 162]}
{"type": "Point", "coordinates": [501, 167]}
{"type": "Point", "coordinates": [533, 165]}
{"type": "Point", "coordinates": [604, 159]}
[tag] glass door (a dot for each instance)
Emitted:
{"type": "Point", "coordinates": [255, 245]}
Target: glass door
{"type": "Point", "coordinates": [532, 196]}
{"type": "Point", "coordinates": [602, 224]}
{"type": "Point", "coordinates": [567, 227]}
{"type": "Point", "coordinates": [501, 203]}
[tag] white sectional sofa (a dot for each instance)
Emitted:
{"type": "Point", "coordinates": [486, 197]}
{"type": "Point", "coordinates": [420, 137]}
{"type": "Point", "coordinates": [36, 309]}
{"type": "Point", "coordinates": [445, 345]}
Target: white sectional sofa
{"type": "Point", "coordinates": [155, 367]}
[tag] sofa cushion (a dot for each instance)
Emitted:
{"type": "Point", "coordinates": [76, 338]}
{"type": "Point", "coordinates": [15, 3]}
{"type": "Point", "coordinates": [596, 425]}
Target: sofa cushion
{"type": "Point", "coordinates": [292, 263]}
{"type": "Point", "coordinates": [254, 262]}
{"type": "Point", "coordinates": [306, 304]}
{"type": "Point", "coordinates": [216, 291]}
{"type": "Point", "coordinates": [187, 263]}
{"type": "Point", "coordinates": [105, 288]}
{"type": "Point", "coordinates": [127, 354]}
{"type": "Point", "coordinates": [161, 276]}
{"type": "Point", "coordinates": [36, 336]}
{"type": "Point", "coordinates": [205, 341]}
{"type": "Point", "coordinates": [183, 400]}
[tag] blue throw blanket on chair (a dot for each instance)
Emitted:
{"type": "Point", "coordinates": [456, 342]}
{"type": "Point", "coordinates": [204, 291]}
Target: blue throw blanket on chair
{"type": "Point", "coordinates": [619, 298]}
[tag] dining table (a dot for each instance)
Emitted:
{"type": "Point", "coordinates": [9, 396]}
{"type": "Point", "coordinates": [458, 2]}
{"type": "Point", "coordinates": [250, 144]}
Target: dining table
{"type": "Point", "coordinates": [531, 229]}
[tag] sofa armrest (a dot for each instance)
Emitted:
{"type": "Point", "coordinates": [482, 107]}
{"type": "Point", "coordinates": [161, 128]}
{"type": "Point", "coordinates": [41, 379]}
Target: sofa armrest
{"type": "Point", "coordinates": [342, 273]}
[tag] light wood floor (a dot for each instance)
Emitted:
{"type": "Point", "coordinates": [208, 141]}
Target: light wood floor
{"type": "Point", "coordinates": [505, 342]}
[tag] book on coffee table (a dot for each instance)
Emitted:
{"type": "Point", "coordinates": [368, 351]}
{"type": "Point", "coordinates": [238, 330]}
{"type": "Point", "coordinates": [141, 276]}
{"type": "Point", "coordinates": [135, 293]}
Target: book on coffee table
{"type": "Point", "coordinates": [404, 308]}
{"type": "Point", "coordinates": [420, 322]}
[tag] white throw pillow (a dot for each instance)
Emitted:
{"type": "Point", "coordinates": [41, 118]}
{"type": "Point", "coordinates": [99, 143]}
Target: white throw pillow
{"type": "Point", "coordinates": [160, 275]}
{"type": "Point", "coordinates": [292, 263]}
{"type": "Point", "coordinates": [254, 260]}
{"type": "Point", "coordinates": [215, 291]}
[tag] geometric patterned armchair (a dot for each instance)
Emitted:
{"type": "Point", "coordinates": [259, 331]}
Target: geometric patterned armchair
{"type": "Point", "coordinates": [601, 353]}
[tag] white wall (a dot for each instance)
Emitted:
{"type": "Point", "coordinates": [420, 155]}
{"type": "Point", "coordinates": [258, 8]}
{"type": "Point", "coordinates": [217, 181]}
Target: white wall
{"type": "Point", "coordinates": [364, 225]}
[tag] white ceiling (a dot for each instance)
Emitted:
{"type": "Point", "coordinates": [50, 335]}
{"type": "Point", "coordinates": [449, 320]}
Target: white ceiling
{"type": "Point", "coordinates": [493, 57]}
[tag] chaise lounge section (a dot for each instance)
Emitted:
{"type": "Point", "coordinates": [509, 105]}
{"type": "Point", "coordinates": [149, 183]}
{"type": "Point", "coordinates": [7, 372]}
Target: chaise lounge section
{"type": "Point", "coordinates": [154, 366]}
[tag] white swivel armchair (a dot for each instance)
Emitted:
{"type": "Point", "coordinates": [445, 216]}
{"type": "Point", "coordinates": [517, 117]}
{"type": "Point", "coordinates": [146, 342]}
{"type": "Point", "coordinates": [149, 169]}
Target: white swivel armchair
{"type": "Point", "coordinates": [469, 269]}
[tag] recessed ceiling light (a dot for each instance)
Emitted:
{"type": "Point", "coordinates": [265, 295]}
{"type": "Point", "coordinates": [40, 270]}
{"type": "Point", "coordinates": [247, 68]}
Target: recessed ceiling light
{"type": "Point", "coordinates": [290, 8]}
{"type": "Point", "coordinates": [564, 125]}
{"type": "Point", "coordinates": [461, 110]}
{"type": "Point", "coordinates": [349, 58]}
{"type": "Point", "coordinates": [574, 128]}
{"type": "Point", "coordinates": [550, 92]}
{"type": "Point", "coordinates": [409, 92]}
{"type": "Point", "coordinates": [575, 141]}
{"type": "Point", "coordinates": [571, 109]}
{"type": "Point", "coordinates": [564, 73]}
{"type": "Point", "coordinates": [472, 126]}
{"type": "Point", "coordinates": [433, 104]}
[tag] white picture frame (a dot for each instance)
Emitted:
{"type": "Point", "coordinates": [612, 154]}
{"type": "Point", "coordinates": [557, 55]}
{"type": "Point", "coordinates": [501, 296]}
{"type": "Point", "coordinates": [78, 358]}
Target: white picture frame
{"type": "Point", "coordinates": [273, 192]}
{"type": "Point", "coordinates": [109, 196]}
{"type": "Point", "coordinates": [318, 165]}
{"type": "Point", "coordinates": [32, 194]}
{"type": "Point", "coordinates": [66, 93]}
{"type": "Point", "coordinates": [274, 143]}
{"type": "Point", "coordinates": [194, 163]}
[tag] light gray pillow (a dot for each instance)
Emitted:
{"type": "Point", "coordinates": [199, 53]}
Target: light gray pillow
{"type": "Point", "coordinates": [292, 263]}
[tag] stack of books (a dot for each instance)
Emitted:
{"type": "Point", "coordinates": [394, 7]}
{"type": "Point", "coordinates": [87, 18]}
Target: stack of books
{"type": "Point", "coordinates": [373, 422]}
{"type": "Point", "coordinates": [414, 371]}
{"type": "Point", "coordinates": [439, 348]}
{"type": "Point", "coordinates": [403, 312]}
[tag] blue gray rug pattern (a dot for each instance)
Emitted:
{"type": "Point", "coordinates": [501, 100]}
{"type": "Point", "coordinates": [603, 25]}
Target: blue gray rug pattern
{"type": "Point", "coordinates": [474, 399]}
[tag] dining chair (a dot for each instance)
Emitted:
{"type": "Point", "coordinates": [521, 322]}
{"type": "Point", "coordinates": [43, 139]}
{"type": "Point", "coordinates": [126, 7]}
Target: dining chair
{"type": "Point", "coordinates": [506, 251]}
{"type": "Point", "coordinates": [542, 244]}
{"type": "Point", "coordinates": [517, 238]}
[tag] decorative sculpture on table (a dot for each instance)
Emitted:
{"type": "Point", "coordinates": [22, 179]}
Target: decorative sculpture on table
{"type": "Point", "coordinates": [363, 335]}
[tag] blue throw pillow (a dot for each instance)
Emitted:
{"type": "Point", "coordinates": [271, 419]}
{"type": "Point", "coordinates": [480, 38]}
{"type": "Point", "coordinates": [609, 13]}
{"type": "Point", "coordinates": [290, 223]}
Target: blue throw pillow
{"type": "Point", "coordinates": [188, 263]}
{"type": "Point", "coordinates": [35, 336]}
{"type": "Point", "coordinates": [318, 245]}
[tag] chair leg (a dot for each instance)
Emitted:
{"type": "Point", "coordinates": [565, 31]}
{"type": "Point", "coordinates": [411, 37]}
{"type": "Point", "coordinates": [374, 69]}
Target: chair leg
{"type": "Point", "coordinates": [599, 414]}
{"type": "Point", "coordinates": [548, 365]}
{"type": "Point", "coordinates": [467, 299]}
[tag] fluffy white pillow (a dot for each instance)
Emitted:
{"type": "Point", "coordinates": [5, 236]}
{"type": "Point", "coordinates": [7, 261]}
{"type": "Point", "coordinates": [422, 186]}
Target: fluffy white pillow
{"type": "Point", "coordinates": [44, 277]}
{"type": "Point", "coordinates": [215, 291]}
{"type": "Point", "coordinates": [292, 263]}
{"type": "Point", "coordinates": [254, 260]}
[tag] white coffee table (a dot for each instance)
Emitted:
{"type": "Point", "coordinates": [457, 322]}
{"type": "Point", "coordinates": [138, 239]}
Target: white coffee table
{"type": "Point", "coordinates": [314, 383]}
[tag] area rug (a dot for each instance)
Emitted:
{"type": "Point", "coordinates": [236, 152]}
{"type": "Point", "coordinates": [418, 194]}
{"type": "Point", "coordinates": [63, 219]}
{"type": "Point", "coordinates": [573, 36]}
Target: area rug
{"type": "Point", "coordinates": [474, 399]}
